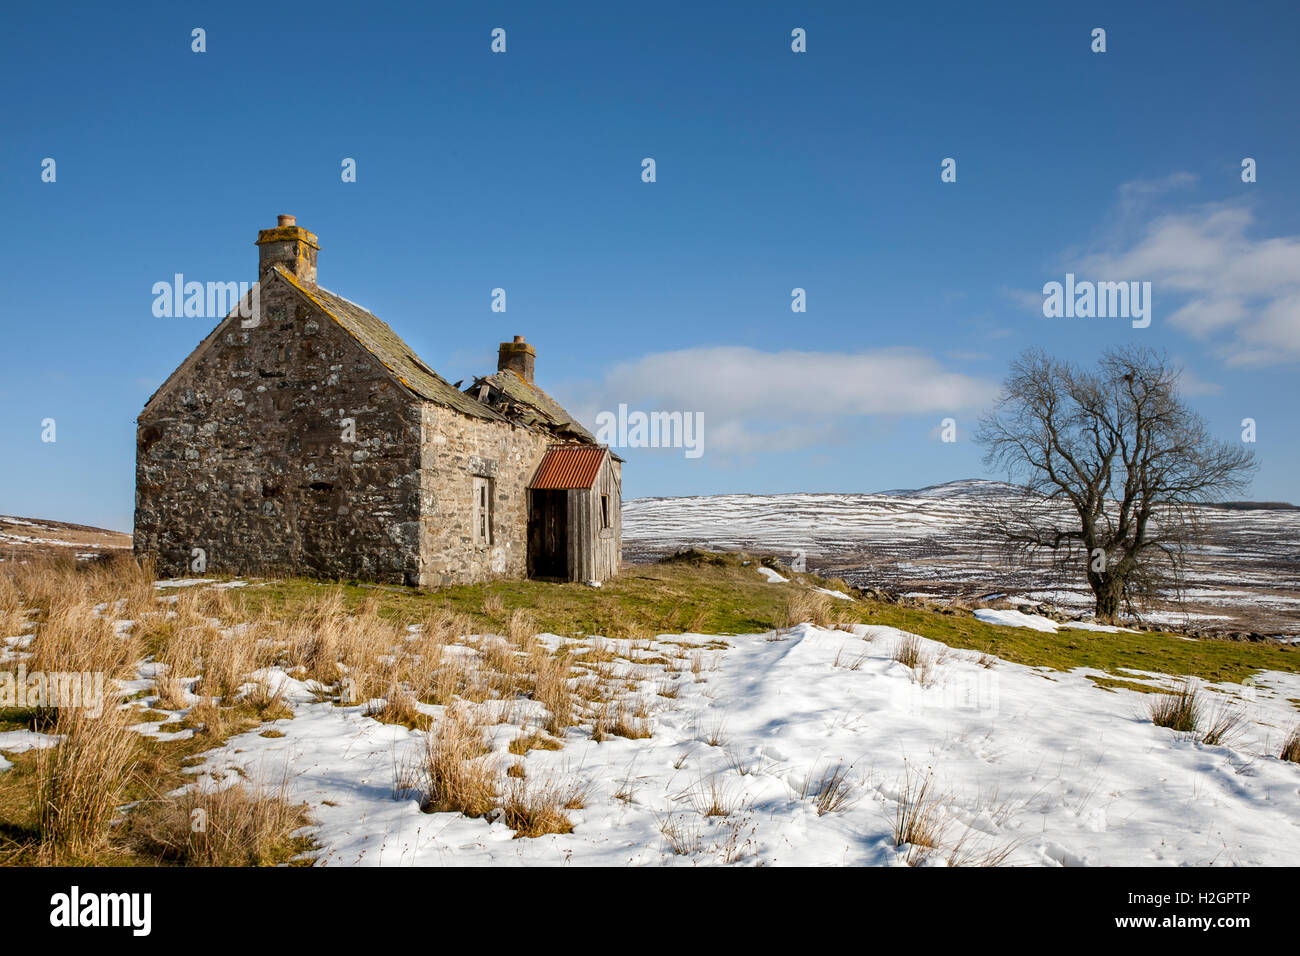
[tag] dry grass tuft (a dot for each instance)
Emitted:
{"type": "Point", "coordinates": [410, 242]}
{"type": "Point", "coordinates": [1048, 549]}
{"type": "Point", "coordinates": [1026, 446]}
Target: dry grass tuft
{"type": "Point", "coordinates": [206, 717]}
{"type": "Point", "coordinates": [494, 606]}
{"type": "Point", "coordinates": [457, 780]}
{"type": "Point", "coordinates": [907, 651]}
{"type": "Point", "coordinates": [74, 637]}
{"type": "Point", "coordinates": [551, 687]}
{"type": "Point", "coordinates": [616, 719]}
{"type": "Point", "coordinates": [919, 819]}
{"type": "Point", "coordinates": [171, 692]}
{"type": "Point", "coordinates": [681, 834]}
{"type": "Point", "coordinates": [233, 826]}
{"type": "Point", "coordinates": [713, 798]}
{"type": "Point", "coordinates": [805, 606]}
{"type": "Point", "coordinates": [1226, 724]}
{"type": "Point", "coordinates": [228, 655]}
{"type": "Point", "coordinates": [522, 630]}
{"type": "Point", "coordinates": [266, 703]}
{"type": "Point", "coordinates": [965, 852]}
{"type": "Point", "coordinates": [399, 707]}
{"type": "Point", "coordinates": [711, 731]}
{"type": "Point", "coordinates": [1180, 709]}
{"type": "Point", "coordinates": [926, 670]}
{"type": "Point", "coordinates": [533, 740]}
{"type": "Point", "coordinates": [832, 791]}
{"type": "Point", "coordinates": [535, 809]}
{"type": "Point", "coordinates": [852, 662]}
{"type": "Point", "coordinates": [1291, 749]}
{"type": "Point", "coordinates": [82, 780]}
{"type": "Point", "coordinates": [626, 790]}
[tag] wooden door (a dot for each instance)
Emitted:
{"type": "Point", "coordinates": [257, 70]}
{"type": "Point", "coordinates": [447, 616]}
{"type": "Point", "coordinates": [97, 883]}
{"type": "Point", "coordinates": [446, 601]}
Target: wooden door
{"type": "Point", "coordinates": [548, 537]}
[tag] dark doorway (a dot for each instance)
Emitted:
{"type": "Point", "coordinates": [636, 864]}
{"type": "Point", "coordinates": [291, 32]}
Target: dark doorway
{"type": "Point", "coordinates": [548, 533]}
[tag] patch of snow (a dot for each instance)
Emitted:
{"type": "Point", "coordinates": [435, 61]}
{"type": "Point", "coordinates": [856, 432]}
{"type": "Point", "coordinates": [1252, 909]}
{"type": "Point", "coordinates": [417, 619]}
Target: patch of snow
{"type": "Point", "coordinates": [21, 741]}
{"type": "Point", "coordinates": [1094, 626]}
{"type": "Point", "coordinates": [1039, 623]}
{"type": "Point", "coordinates": [1016, 619]}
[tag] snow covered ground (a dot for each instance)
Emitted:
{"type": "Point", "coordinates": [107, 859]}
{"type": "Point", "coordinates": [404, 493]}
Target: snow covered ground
{"type": "Point", "coordinates": [796, 747]}
{"type": "Point", "coordinates": [1042, 764]}
{"type": "Point", "coordinates": [1245, 576]}
{"type": "Point", "coordinates": [22, 537]}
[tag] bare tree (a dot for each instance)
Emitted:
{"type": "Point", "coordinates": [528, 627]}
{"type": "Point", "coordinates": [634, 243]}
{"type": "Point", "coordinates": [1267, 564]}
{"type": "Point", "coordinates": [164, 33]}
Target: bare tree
{"type": "Point", "coordinates": [1113, 465]}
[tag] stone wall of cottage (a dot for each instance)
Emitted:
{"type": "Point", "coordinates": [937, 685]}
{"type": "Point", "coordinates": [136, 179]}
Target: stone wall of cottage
{"type": "Point", "coordinates": [456, 450]}
{"type": "Point", "coordinates": [248, 455]}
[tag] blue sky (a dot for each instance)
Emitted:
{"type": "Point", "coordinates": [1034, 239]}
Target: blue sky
{"type": "Point", "coordinates": [775, 170]}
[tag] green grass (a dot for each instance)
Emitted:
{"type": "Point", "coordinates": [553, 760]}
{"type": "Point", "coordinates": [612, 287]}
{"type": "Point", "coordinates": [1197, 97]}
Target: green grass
{"type": "Point", "coordinates": [663, 598]}
{"type": "Point", "coordinates": [720, 594]}
{"type": "Point", "coordinates": [1117, 654]}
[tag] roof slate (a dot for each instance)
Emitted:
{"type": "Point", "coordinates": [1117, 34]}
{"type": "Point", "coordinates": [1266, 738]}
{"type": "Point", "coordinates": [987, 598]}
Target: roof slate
{"type": "Point", "coordinates": [383, 343]}
{"type": "Point", "coordinates": [547, 410]}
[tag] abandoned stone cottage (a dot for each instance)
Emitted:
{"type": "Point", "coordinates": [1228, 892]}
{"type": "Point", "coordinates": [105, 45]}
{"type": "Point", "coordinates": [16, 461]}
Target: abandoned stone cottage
{"type": "Point", "coordinates": [306, 436]}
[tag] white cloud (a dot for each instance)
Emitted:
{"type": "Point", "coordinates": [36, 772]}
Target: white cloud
{"type": "Point", "coordinates": [1191, 384]}
{"type": "Point", "coordinates": [1227, 286]}
{"type": "Point", "coordinates": [1027, 299]}
{"type": "Point", "coordinates": [755, 401]}
{"type": "Point", "coordinates": [1138, 191]}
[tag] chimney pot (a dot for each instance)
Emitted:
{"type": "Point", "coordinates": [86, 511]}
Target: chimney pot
{"type": "Point", "coordinates": [287, 220]}
{"type": "Point", "coordinates": [519, 338]}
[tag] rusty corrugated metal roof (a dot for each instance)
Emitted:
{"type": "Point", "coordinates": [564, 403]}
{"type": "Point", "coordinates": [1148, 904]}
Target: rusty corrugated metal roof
{"type": "Point", "coordinates": [569, 466]}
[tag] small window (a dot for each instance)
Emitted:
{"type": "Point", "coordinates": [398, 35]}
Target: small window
{"type": "Point", "coordinates": [483, 512]}
{"type": "Point", "coordinates": [604, 511]}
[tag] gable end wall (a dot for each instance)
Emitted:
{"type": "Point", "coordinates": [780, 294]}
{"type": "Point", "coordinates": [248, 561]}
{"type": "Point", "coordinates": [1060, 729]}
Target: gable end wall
{"type": "Point", "coordinates": [244, 455]}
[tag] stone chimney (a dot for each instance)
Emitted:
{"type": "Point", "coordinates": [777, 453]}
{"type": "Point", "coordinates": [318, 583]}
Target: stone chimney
{"type": "Point", "coordinates": [518, 356]}
{"type": "Point", "coordinates": [290, 247]}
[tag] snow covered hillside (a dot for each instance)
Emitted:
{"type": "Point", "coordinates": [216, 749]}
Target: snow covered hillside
{"type": "Point", "coordinates": [935, 542]}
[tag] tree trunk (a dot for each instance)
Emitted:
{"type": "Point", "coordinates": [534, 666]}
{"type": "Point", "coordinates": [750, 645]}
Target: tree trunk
{"type": "Point", "coordinates": [1108, 591]}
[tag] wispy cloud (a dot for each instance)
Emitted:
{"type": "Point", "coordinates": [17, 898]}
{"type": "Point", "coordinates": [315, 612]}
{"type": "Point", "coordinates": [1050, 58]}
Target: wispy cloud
{"type": "Point", "coordinates": [1138, 193]}
{"type": "Point", "coordinates": [1031, 300]}
{"type": "Point", "coordinates": [1239, 291]}
{"type": "Point", "coordinates": [1191, 384]}
{"type": "Point", "coordinates": [755, 401]}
